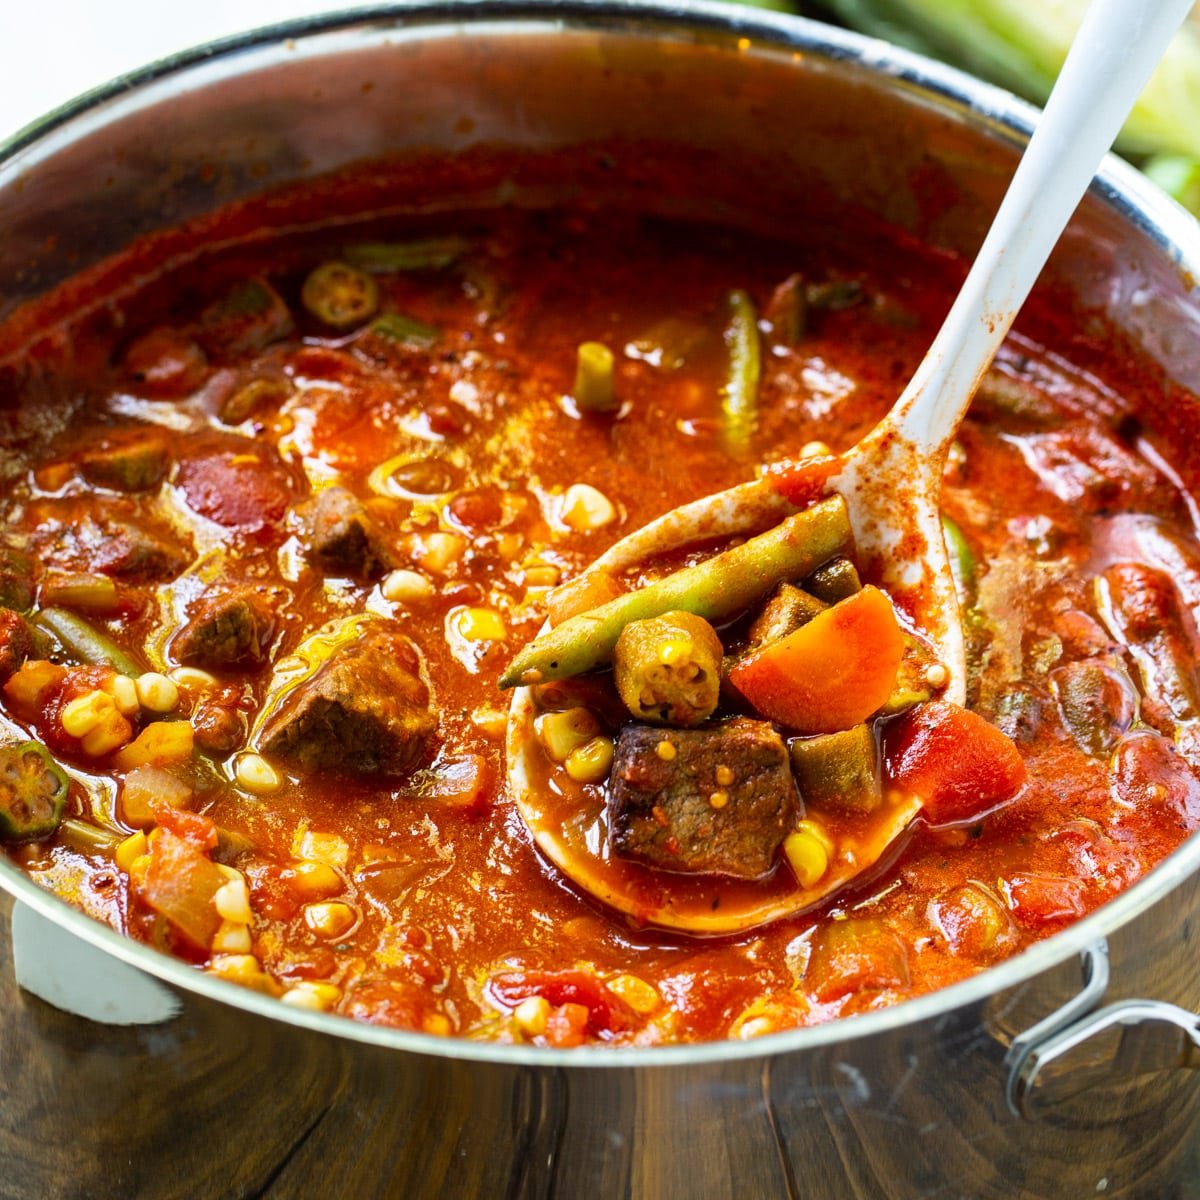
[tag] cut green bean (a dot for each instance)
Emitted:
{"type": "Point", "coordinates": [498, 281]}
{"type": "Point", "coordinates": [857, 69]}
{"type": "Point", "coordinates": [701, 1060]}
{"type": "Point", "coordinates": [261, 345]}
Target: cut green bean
{"type": "Point", "coordinates": [85, 642]}
{"type": "Point", "coordinates": [593, 390]}
{"type": "Point", "coordinates": [427, 254]}
{"type": "Point", "coordinates": [90, 838]}
{"type": "Point", "coordinates": [405, 330]}
{"type": "Point", "coordinates": [962, 560]}
{"type": "Point", "coordinates": [739, 396]}
{"type": "Point", "coordinates": [788, 311]}
{"type": "Point", "coordinates": [718, 587]}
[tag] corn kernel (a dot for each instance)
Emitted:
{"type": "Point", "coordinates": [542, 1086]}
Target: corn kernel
{"type": "Point", "coordinates": [244, 969]}
{"type": "Point", "coordinates": [438, 551]}
{"type": "Point", "coordinates": [437, 1024]}
{"type": "Point", "coordinates": [256, 775]}
{"type": "Point", "coordinates": [85, 713]}
{"type": "Point", "coordinates": [562, 732]}
{"type": "Point", "coordinates": [492, 721]}
{"type": "Point", "coordinates": [133, 847]}
{"type": "Point", "coordinates": [320, 997]}
{"type": "Point", "coordinates": [124, 695]}
{"type": "Point", "coordinates": [317, 880]}
{"type": "Point", "coordinates": [330, 918]}
{"type": "Point", "coordinates": [540, 575]}
{"type": "Point", "coordinates": [232, 937]}
{"type": "Point", "coordinates": [584, 507]}
{"type": "Point", "coordinates": [138, 868]}
{"type": "Point", "coordinates": [192, 679]}
{"type": "Point", "coordinates": [818, 831]}
{"type": "Point", "coordinates": [806, 856]}
{"type": "Point", "coordinates": [321, 847]}
{"type": "Point", "coordinates": [755, 1027]}
{"type": "Point", "coordinates": [406, 587]}
{"type": "Point", "coordinates": [815, 450]}
{"type": "Point", "coordinates": [233, 902]}
{"type": "Point", "coordinates": [476, 624]}
{"type": "Point", "coordinates": [591, 762]}
{"type": "Point", "coordinates": [641, 996]}
{"type": "Point", "coordinates": [936, 675]}
{"type": "Point", "coordinates": [112, 732]}
{"type": "Point", "coordinates": [531, 1015]}
{"type": "Point", "coordinates": [158, 694]}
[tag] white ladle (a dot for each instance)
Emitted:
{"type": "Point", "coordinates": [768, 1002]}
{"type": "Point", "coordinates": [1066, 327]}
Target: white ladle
{"type": "Point", "coordinates": [891, 480]}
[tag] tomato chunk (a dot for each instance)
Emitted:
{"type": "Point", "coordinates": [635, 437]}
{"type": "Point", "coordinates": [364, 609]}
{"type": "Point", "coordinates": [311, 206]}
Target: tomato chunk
{"type": "Point", "coordinates": [958, 763]}
{"type": "Point", "coordinates": [830, 674]}
{"type": "Point", "coordinates": [181, 884]}
{"type": "Point", "coordinates": [607, 1013]}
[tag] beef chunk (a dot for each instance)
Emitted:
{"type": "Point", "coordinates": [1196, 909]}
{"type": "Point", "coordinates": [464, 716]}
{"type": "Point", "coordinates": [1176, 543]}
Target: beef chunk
{"type": "Point", "coordinates": [128, 550]}
{"type": "Point", "coordinates": [341, 536]}
{"type": "Point", "coordinates": [721, 804]}
{"type": "Point", "coordinates": [16, 642]}
{"type": "Point", "coordinates": [133, 460]}
{"type": "Point", "coordinates": [226, 629]}
{"type": "Point", "coordinates": [366, 710]}
{"type": "Point", "coordinates": [16, 579]}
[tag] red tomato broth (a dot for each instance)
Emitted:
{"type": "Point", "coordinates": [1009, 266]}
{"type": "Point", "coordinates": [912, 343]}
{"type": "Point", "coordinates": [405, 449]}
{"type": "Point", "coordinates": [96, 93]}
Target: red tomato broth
{"type": "Point", "coordinates": [446, 896]}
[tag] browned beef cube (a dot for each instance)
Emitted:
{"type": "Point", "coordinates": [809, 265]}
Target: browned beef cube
{"type": "Point", "coordinates": [133, 460]}
{"type": "Point", "coordinates": [721, 804]}
{"type": "Point", "coordinates": [129, 550]}
{"type": "Point", "coordinates": [342, 538]}
{"type": "Point", "coordinates": [226, 629]}
{"type": "Point", "coordinates": [367, 710]}
{"type": "Point", "coordinates": [16, 642]}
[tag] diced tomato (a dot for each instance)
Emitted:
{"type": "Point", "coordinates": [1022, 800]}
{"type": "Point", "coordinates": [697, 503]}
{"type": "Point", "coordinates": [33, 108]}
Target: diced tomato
{"type": "Point", "coordinates": [165, 363]}
{"type": "Point", "coordinates": [805, 481]}
{"type": "Point", "coordinates": [181, 884]}
{"type": "Point", "coordinates": [854, 955]}
{"type": "Point", "coordinates": [386, 1002]}
{"type": "Point", "coordinates": [1037, 899]}
{"type": "Point", "coordinates": [248, 491]}
{"type": "Point", "coordinates": [959, 764]}
{"type": "Point", "coordinates": [567, 1025]}
{"type": "Point", "coordinates": [607, 1013]}
{"type": "Point", "coordinates": [830, 674]}
{"type": "Point", "coordinates": [194, 828]}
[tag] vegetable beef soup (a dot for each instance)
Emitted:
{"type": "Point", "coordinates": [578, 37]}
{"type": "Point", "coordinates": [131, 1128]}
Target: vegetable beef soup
{"type": "Point", "coordinates": [282, 516]}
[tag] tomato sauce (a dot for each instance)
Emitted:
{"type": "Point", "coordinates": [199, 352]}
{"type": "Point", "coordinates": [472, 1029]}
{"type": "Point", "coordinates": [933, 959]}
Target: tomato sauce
{"type": "Point", "coordinates": [417, 898]}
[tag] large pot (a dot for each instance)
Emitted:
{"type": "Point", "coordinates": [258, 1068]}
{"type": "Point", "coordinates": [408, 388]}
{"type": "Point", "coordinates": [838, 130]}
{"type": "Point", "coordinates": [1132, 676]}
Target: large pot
{"type": "Point", "coordinates": [1046, 1076]}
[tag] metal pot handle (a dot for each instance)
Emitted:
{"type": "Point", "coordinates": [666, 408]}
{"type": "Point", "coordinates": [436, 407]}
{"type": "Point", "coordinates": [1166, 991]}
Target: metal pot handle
{"type": "Point", "coordinates": [1082, 1046]}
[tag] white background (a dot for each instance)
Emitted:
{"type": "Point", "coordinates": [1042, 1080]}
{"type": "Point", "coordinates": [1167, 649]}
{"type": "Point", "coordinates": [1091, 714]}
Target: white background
{"type": "Point", "coordinates": [51, 50]}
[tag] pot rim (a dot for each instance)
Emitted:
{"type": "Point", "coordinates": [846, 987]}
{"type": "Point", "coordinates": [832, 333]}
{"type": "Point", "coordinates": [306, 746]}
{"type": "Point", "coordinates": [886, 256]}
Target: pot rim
{"type": "Point", "coordinates": [981, 105]}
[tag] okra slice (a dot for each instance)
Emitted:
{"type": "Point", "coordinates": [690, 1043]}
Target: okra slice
{"type": "Point", "coordinates": [839, 770]}
{"type": "Point", "coordinates": [33, 792]}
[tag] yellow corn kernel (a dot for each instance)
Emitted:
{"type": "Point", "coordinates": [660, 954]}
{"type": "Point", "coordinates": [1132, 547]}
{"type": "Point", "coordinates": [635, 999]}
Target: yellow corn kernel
{"type": "Point", "coordinates": [815, 450]}
{"type": "Point", "coordinates": [406, 587]}
{"type": "Point", "coordinates": [85, 713]}
{"type": "Point", "coordinates": [476, 624]}
{"type": "Point", "coordinates": [320, 847]}
{"type": "Point", "coordinates": [244, 969]}
{"type": "Point", "coordinates": [437, 1024]}
{"type": "Point", "coordinates": [316, 880]}
{"type": "Point", "coordinates": [584, 507]}
{"type": "Point", "coordinates": [807, 857]}
{"type": "Point", "coordinates": [320, 997]}
{"type": "Point", "coordinates": [562, 732]}
{"type": "Point", "coordinates": [124, 694]}
{"type": "Point", "coordinates": [755, 1027]}
{"type": "Point", "coordinates": [818, 831]}
{"type": "Point", "coordinates": [158, 694]}
{"type": "Point", "coordinates": [591, 762]}
{"type": "Point", "coordinates": [641, 996]}
{"type": "Point", "coordinates": [540, 575]}
{"type": "Point", "coordinates": [162, 744]}
{"type": "Point", "coordinates": [232, 937]}
{"type": "Point", "coordinates": [132, 848]}
{"type": "Point", "coordinates": [330, 918]}
{"type": "Point", "coordinates": [233, 901]}
{"type": "Point", "coordinates": [256, 775]}
{"type": "Point", "coordinates": [438, 551]}
{"type": "Point", "coordinates": [138, 868]}
{"type": "Point", "coordinates": [192, 679]}
{"type": "Point", "coordinates": [531, 1015]}
{"type": "Point", "coordinates": [112, 732]}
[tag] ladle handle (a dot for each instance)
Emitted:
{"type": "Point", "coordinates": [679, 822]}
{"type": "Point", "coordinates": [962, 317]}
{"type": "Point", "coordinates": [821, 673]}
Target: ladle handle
{"type": "Point", "coordinates": [1110, 61]}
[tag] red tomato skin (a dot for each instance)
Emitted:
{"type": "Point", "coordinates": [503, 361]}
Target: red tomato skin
{"type": "Point", "coordinates": [958, 763]}
{"type": "Point", "coordinates": [607, 1013]}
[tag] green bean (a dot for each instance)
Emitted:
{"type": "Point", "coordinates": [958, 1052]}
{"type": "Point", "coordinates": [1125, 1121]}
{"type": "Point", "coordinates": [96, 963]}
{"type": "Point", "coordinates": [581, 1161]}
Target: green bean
{"type": "Point", "coordinates": [739, 397]}
{"type": "Point", "coordinates": [593, 390]}
{"type": "Point", "coordinates": [90, 838]}
{"type": "Point", "coordinates": [427, 254]}
{"type": "Point", "coordinates": [407, 331]}
{"type": "Point", "coordinates": [84, 641]}
{"type": "Point", "coordinates": [962, 560]}
{"type": "Point", "coordinates": [718, 587]}
{"type": "Point", "coordinates": [788, 311]}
